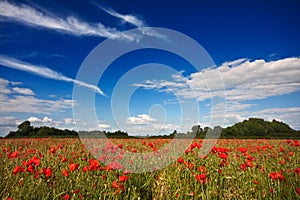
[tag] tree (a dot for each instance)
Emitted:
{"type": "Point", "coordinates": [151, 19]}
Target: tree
{"type": "Point", "coordinates": [196, 129]}
{"type": "Point", "coordinates": [24, 129]}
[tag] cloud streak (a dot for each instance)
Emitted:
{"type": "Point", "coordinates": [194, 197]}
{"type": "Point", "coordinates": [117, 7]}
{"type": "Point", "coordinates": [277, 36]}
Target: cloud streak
{"type": "Point", "coordinates": [32, 17]}
{"type": "Point", "coordinates": [135, 21]}
{"type": "Point", "coordinates": [44, 72]}
{"type": "Point", "coordinates": [131, 19]}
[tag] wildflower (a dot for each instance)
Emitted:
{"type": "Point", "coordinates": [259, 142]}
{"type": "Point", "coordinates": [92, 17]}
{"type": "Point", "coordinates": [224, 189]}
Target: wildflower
{"type": "Point", "coordinates": [85, 169]}
{"type": "Point", "coordinates": [66, 196]}
{"type": "Point", "coordinates": [201, 178]}
{"type": "Point", "coordinates": [276, 176]}
{"type": "Point", "coordinates": [76, 191]}
{"type": "Point", "coordinates": [123, 178]}
{"type": "Point", "coordinates": [243, 150]}
{"type": "Point", "coordinates": [48, 172]}
{"type": "Point", "coordinates": [297, 171]}
{"type": "Point", "coordinates": [298, 191]}
{"type": "Point", "coordinates": [17, 169]}
{"type": "Point", "coordinates": [281, 149]}
{"type": "Point", "coordinates": [36, 174]}
{"type": "Point", "coordinates": [202, 169]}
{"type": "Point", "coordinates": [35, 160]}
{"type": "Point", "coordinates": [73, 166]}
{"type": "Point", "coordinates": [115, 165]}
{"type": "Point", "coordinates": [64, 159]}
{"type": "Point", "coordinates": [243, 166]}
{"type": "Point", "coordinates": [115, 184]}
{"type": "Point", "coordinates": [180, 160]}
{"type": "Point", "coordinates": [224, 156]}
{"type": "Point", "coordinates": [14, 154]}
{"type": "Point", "coordinates": [65, 173]}
{"type": "Point", "coordinates": [30, 169]}
{"type": "Point", "coordinates": [290, 153]}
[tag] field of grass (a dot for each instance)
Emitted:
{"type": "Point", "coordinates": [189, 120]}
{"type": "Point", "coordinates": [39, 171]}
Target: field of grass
{"type": "Point", "coordinates": [65, 168]}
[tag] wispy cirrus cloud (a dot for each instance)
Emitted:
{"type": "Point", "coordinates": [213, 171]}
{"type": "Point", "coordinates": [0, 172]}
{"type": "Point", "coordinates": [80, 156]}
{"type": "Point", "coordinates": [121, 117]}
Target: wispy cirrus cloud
{"type": "Point", "coordinates": [131, 19]}
{"type": "Point", "coordinates": [135, 21]}
{"type": "Point", "coordinates": [32, 17]}
{"type": "Point", "coordinates": [43, 72]}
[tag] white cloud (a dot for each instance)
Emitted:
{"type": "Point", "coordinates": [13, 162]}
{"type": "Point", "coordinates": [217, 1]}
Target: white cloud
{"type": "Point", "coordinates": [103, 126]}
{"type": "Point", "coordinates": [45, 120]}
{"type": "Point", "coordinates": [44, 72]}
{"type": "Point", "coordinates": [239, 80]}
{"type": "Point", "coordinates": [30, 104]}
{"type": "Point", "coordinates": [237, 112]}
{"type": "Point", "coordinates": [4, 86]}
{"type": "Point", "coordinates": [70, 25]}
{"type": "Point", "coordinates": [154, 128]}
{"type": "Point", "coordinates": [142, 119]}
{"type": "Point", "coordinates": [13, 83]}
{"type": "Point", "coordinates": [25, 91]}
{"type": "Point", "coordinates": [20, 103]}
{"type": "Point", "coordinates": [52, 95]}
{"type": "Point", "coordinates": [7, 123]}
{"type": "Point", "coordinates": [34, 119]}
{"type": "Point", "coordinates": [290, 115]}
{"type": "Point", "coordinates": [68, 120]}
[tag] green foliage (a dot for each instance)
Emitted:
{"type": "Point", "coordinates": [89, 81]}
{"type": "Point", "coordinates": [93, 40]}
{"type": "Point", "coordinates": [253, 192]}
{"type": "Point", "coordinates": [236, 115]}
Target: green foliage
{"type": "Point", "coordinates": [26, 130]}
{"type": "Point", "coordinates": [259, 127]}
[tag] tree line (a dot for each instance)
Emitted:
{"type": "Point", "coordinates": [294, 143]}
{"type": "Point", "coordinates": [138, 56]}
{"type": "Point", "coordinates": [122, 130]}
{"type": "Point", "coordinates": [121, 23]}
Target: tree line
{"type": "Point", "coordinates": [253, 127]}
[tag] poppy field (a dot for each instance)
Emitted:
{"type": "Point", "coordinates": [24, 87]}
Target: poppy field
{"type": "Point", "coordinates": [64, 168]}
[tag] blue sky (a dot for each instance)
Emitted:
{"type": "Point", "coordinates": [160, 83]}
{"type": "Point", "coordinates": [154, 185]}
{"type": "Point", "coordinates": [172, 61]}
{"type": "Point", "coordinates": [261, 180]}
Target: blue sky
{"type": "Point", "coordinates": [255, 47]}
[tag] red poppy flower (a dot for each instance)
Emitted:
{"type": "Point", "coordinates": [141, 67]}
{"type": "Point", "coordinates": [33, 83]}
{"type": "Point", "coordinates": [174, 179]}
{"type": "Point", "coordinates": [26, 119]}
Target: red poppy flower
{"type": "Point", "coordinates": [243, 150]}
{"type": "Point", "coordinates": [180, 160]}
{"type": "Point", "coordinates": [73, 166]}
{"type": "Point", "coordinates": [14, 154]}
{"type": "Point", "coordinates": [297, 171]}
{"type": "Point", "coordinates": [64, 159]}
{"type": "Point", "coordinates": [48, 172]}
{"type": "Point", "coordinates": [276, 175]}
{"type": "Point", "coordinates": [30, 169]}
{"type": "Point", "coordinates": [223, 155]}
{"type": "Point", "coordinates": [290, 153]}
{"type": "Point", "coordinates": [76, 191]}
{"type": "Point", "coordinates": [17, 169]}
{"type": "Point", "coordinates": [114, 184]}
{"type": "Point", "coordinates": [243, 166]}
{"type": "Point", "coordinates": [36, 174]}
{"type": "Point", "coordinates": [298, 191]}
{"type": "Point", "coordinates": [66, 197]}
{"type": "Point", "coordinates": [85, 169]}
{"type": "Point", "coordinates": [65, 173]}
{"type": "Point", "coordinates": [201, 178]}
{"type": "Point", "coordinates": [123, 178]}
{"type": "Point", "coordinates": [202, 169]}
{"type": "Point", "coordinates": [36, 161]}
{"type": "Point", "coordinates": [273, 175]}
